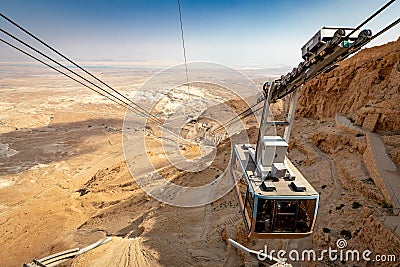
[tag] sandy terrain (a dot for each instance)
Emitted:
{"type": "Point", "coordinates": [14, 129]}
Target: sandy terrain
{"type": "Point", "coordinates": [65, 183]}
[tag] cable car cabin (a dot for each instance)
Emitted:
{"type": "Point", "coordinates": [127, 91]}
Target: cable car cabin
{"type": "Point", "coordinates": [276, 202]}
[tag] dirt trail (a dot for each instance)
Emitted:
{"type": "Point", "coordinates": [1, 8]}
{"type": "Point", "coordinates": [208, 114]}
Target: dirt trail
{"type": "Point", "coordinates": [123, 252]}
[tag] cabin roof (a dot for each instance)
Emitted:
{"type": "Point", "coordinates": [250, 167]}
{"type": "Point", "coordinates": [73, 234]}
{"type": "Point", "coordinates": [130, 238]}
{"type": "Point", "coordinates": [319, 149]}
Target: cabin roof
{"type": "Point", "coordinates": [282, 186]}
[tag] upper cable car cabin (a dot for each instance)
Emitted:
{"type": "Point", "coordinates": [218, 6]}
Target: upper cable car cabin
{"type": "Point", "coordinates": [276, 201]}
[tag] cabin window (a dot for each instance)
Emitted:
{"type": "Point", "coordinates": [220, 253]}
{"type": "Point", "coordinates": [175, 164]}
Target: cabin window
{"type": "Point", "coordinates": [249, 205]}
{"type": "Point", "coordinates": [265, 215]}
{"type": "Point", "coordinates": [306, 215]}
{"type": "Point", "coordinates": [284, 216]}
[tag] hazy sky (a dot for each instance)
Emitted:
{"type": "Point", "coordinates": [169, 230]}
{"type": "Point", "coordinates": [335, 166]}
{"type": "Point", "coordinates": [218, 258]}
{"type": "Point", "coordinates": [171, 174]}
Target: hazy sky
{"type": "Point", "coordinates": [235, 33]}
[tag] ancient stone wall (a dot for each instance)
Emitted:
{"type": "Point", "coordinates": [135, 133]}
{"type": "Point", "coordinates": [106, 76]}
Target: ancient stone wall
{"type": "Point", "coordinates": [345, 124]}
{"type": "Point", "coordinates": [373, 169]}
{"type": "Point", "coordinates": [353, 184]}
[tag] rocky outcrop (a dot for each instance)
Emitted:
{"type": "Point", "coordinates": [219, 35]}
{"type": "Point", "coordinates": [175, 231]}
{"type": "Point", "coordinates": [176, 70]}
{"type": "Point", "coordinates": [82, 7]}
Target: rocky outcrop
{"type": "Point", "coordinates": [365, 87]}
{"type": "Point", "coordinates": [375, 237]}
{"type": "Point", "coordinates": [332, 141]}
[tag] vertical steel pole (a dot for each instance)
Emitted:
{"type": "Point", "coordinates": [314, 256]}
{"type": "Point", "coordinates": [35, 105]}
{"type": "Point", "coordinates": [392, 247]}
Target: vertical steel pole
{"type": "Point", "coordinates": [290, 116]}
{"type": "Point", "coordinates": [261, 131]}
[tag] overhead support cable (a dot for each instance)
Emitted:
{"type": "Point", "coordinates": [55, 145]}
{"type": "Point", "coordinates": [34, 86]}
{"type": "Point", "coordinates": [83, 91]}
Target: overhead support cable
{"type": "Point", "coordinates": [123, 104]}
{"type": "Point", "coordinates": [183, 44]}
{"type": "Point", "coordinates": [65, 74]}
{"type": "Point", "coordinates": [238, 117]}
{"type": "Point", "coordinates": [137, 109]}
{"type": "Point", "coordinates": [73, 72]}
{"type": "Point", "coordinates": [371, 17]}
{"type": "Point", "coordinates": [103, 92]}
{"type": "Point", "coordinates": [76, 65]}
{"type": "Point", "coordinates": [391, 25]}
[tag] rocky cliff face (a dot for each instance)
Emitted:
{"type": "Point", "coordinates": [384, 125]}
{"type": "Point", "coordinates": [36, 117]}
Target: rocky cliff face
{"type": "Point", "coordinates": [364, 86]}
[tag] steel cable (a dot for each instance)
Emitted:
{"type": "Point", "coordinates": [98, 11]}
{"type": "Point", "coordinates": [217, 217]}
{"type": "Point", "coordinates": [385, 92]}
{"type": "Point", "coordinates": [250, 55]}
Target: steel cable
{"type": "Point", "coordinates": [370, 18]}
{"type": "Point", "coordinates": [72, 62]}
{"type": "Point", "coordinates": [114, 100]}
{"type": "Point", "coordinates": [63, 73]}
{"type": "Point", "coordinates": [66, 68]}
{"type": "Point", "coordinates": [183, 44]}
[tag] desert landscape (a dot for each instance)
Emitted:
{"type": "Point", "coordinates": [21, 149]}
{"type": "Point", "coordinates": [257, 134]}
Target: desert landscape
{"type": "Point", "coordinates": [66, 182]}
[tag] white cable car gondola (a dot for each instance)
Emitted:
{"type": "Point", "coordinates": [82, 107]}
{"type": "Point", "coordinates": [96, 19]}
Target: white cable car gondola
{"type": "Point", "coordinates": [275, 199]}
{"type": "Point", "coordinates": [284, 206]}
